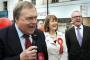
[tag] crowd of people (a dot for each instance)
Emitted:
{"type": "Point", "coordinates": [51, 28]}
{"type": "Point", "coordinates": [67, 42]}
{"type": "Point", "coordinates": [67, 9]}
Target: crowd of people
{"type": "Point", "coordinates": [29, 39]}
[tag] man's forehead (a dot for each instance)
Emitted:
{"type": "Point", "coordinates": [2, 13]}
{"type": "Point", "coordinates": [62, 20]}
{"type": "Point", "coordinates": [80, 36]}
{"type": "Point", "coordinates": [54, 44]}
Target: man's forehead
{"type": "Point", "coordinates": [29, 12]}
{"type": "Point", "coordinates": [76, 13]}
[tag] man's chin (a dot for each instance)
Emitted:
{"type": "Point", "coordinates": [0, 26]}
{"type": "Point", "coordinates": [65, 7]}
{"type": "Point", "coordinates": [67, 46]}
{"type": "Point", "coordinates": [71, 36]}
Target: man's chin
{"type": "Point", "coordinates": [31, 32]}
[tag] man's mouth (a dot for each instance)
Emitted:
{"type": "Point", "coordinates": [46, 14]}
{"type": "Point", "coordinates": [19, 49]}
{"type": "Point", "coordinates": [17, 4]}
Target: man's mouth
{"type": "Point", "coordinates": [77, 21]}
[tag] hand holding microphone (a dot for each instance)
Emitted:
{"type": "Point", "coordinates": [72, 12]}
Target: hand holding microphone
{"type": "Point", "coordinates": [29, 54]}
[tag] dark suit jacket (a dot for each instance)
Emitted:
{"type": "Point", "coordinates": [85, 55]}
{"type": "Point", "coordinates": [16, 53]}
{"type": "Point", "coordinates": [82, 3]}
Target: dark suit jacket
{"type": "Point", "coordinates": [75, 52]}
{"type": "Point", "coordinates": [10, 46]}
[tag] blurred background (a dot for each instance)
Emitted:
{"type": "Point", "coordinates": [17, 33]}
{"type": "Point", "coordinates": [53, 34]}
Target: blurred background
{"type": "Point", "coordinates": [61, 8]}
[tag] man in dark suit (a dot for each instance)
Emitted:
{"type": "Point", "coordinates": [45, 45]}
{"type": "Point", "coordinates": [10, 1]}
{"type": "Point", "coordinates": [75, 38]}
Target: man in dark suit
{"type": "Point", "coordinates": [11, 38]}
{"type": "Point", "coordinates": [78, 39]}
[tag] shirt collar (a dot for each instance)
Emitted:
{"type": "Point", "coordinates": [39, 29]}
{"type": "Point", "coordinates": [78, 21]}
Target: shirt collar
{"type": "Point", "coordinates": [20, 34]}
{"type": "Point", "coordinates": [81, 27]}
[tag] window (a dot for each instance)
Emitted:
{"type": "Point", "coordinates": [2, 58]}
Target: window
{"type": "Point", "coordinates": [55, 1]}
{"type": "Point", "coordinates": [34, 2]}
{"type": "Point", "coordinates": [5, 5]}
{"type": "Point", "coordinates": [20, 0]}
{"type": "Point", "coordinates": [3, 14]}
{"type": "Point", "coordinates": [74, 0]}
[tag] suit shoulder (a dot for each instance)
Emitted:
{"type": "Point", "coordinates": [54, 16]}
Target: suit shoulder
{"type": "Point", "coordinates": [38, 32]}
{"type": "Point", "coordinates": [86, 26]}
{"type": "Point", "coordinates": [4, 32]}
{"type": "Point", "coordinates": [69, 29]}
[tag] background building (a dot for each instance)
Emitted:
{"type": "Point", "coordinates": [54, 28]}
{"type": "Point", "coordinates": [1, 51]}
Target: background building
{"type": "Point", "coordinates": [61, 8]}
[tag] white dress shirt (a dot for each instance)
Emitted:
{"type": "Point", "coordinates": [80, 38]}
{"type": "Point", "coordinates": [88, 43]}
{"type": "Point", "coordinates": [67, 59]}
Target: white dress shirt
{"type": "Point", "coordinates": [22, 39]}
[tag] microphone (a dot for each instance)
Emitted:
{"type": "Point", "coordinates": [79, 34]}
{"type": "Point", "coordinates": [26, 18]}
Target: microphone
{"type": "Point", "coordinates": [40, 54]}
{"type": "Point", "coordinates": [34, 37]}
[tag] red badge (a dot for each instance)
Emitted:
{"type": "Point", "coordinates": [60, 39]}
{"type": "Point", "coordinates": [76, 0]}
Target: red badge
{"type": "Point", "coordinates": [40, 56]}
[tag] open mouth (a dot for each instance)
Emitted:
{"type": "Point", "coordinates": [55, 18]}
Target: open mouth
{"type": "Point", "coordinates": [78, 21]}
{"type": "Point", "coordinates": [54, 25]}
{"type": "Point", "coordinates": [31, 26]}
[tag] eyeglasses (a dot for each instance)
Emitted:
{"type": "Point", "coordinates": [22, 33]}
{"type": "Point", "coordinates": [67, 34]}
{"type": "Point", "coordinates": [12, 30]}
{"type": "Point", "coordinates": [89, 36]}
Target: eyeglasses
{"type": "Point", "coordinates": [76, 16]}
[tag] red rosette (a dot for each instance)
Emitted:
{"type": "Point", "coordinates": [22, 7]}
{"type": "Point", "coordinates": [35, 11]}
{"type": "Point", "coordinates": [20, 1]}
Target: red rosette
{"type": "Point", "coordinates": [60, 42]}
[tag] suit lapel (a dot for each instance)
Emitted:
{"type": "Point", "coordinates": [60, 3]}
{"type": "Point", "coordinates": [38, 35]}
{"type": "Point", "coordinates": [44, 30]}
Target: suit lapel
{"type": "Point", "coordinates": [74, 36]}
{"type": "Point", "coordinates": [84, 35]}
{"type": "Point", "coordinates": [14, 40]}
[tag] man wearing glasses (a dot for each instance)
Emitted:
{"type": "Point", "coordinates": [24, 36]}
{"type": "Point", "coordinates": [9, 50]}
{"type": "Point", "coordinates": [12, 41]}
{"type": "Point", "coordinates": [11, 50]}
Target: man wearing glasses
{"type": "Point", "coordinates": [78, 38]}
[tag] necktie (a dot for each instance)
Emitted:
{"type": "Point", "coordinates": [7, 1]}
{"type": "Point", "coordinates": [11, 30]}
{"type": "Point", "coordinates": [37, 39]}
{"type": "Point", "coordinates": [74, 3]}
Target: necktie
{"type": "Point", "coordinates": [27, 41]}
{"type": "Point", "coordinates": [79, 37]}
